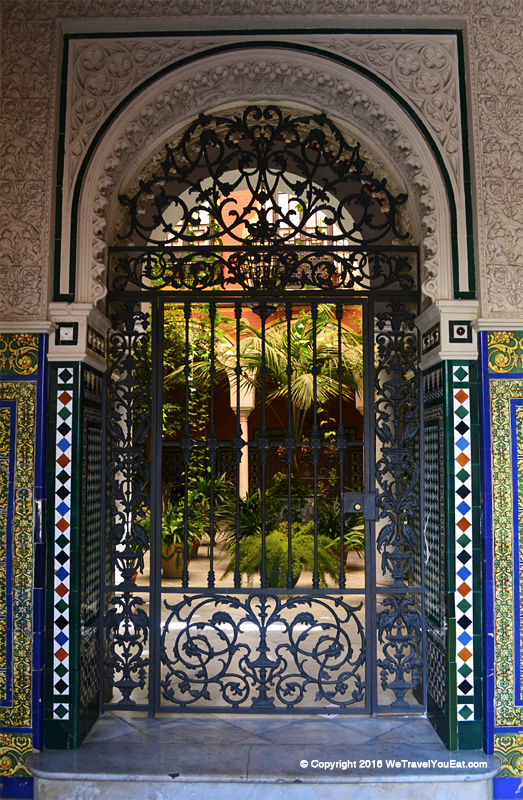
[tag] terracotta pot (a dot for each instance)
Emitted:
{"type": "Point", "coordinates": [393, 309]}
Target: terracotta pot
{"type": "Point", "coordinates": [172, 561]}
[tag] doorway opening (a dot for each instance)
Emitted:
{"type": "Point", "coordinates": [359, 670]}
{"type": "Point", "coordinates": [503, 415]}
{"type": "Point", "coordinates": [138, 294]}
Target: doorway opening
{"type": "Point", "coordinates": [263, 551]}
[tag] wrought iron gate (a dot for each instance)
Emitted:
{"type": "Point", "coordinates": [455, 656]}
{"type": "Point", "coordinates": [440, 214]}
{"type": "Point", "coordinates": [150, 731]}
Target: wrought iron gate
{"type": "Point", "coordinates": [264, 265]}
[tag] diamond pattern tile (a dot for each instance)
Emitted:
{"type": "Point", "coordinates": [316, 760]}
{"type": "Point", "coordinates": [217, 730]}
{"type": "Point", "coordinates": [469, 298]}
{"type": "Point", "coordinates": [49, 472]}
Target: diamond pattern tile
{"type": "Point", "coordinates": [463, 523]}
{"type": "Point", "coordinates": [62, 541]}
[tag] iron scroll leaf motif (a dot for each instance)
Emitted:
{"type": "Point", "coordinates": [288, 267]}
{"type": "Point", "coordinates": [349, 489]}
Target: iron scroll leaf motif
{"type": "Point", "coordinates": [249, 651]}
{"type": "Point", "coordinates": [129, 401]}
{"type": "Point", "coordinates": [397, 475]}
{"type": "Point", "coordinates": [310, 209]}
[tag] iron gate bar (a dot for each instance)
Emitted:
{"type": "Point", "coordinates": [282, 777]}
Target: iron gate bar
{"type": "Point", "coordinates": [238, 444]}
{"type": "Point", "coordinates": [103, 553]}
{"type": "Point", "coordinates": [212, 444]}
{"type": "Point", "coordinates": [350, 297]}
{"type": "Point", "coordinates": [369, 437]}
{"type": "Point", "coordinates": [315, 440]}
{"type": "Point", "coordinates": [370, 248]}
{"type": "Point", "coordinates": [186, 445]}
{"type": "Point", "coordinates": [155, 543]}
{"type": "Point", "coordinates": [289, 449]}
{"type": "Point", "coordinates": [341, 445]}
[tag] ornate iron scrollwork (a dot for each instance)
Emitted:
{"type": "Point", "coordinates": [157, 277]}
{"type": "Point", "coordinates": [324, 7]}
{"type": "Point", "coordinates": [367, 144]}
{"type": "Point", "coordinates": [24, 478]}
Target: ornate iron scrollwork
{"type": "Point", "coordinates": [263, 203]}
{"type": "Point", "coordinates": [304, 658]}
{"type": "Point", "coordinates": [254, 269]}
{"type": "Point", "coordinates": [397, 428]}
{"type": "Point", "coordinates": [128, 403]}
{"type": "Point", "coordinates": [268, 152]}
{"type": "Point", "coordinates": [397, 474]}
{"type": "Point", "coordinates": [263, 200]}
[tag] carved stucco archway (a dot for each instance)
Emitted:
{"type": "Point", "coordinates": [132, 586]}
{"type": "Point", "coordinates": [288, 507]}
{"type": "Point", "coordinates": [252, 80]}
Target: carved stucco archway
{"type": "Point", "coordinates": [392, 143]}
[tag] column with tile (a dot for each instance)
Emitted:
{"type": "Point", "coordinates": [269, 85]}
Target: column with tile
{"type": "Point", "coordinates": [74, 482]}
{"type": "Point", "coordinates": [452, 524]}
{"type": "Point", "coordinates": [464, 559]}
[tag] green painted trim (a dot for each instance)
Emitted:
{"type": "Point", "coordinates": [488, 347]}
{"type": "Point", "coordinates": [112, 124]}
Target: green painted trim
{"type": "Point", "coordinates": [57, 295]}
{"type": "Point", "coordinates": [477, 555]}
{"type": "Point", "coordinates": [279, 45]}
{"type": "Point", "coordinates": [449, 475]}
{"type": "Point", "coordinates": [467, 176]}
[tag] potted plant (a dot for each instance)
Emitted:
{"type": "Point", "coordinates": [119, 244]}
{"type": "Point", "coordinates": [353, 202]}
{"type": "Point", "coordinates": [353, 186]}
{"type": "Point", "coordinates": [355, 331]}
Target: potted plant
{"type": "Point", "coordinates": [276, 555]}
{"type": "Point", "coordinates": [173, 536]}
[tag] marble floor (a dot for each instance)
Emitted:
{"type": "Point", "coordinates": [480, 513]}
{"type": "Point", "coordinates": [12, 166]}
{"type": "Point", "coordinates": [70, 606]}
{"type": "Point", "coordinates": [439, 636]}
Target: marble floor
{"type": "Point", "coordinates": [214, 747]}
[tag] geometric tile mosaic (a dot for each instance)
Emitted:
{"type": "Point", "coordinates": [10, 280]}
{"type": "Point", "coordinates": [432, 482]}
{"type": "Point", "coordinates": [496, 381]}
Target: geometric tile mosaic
{"type": "Point", "coordinates": [62, 543]}
{"type": "Point", "coordinates": [434, 525]}
{"type": "Point", "coordinates": [463, 542]}
{"type": "Point", "coordinates": [433, 384]}
{"type": "Point", "coordinates": [436, 673]}
{"type": "Point", "coordinates": [89, 667]}
{"type": "Point", "coordinates": [91, 514]}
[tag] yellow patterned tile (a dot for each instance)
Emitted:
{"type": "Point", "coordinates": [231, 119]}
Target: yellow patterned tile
{"type": "Point", "coordinates": [18, 354]}
{"type": "Point", "coordinates": [502, 392]}
{"type": "Point", "coordinates": [14, 750]}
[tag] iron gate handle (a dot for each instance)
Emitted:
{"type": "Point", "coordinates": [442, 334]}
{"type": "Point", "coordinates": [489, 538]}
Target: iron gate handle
{"type": "Point", "coordinates": [360, 502]}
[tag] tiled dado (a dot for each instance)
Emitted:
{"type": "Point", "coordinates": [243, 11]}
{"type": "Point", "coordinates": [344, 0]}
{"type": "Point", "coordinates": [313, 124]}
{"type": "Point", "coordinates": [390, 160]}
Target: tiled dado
{"type": "Point", "coordinates": [463, 522]}
{"type": "Point", "coordinates": [65, 409]}
{"type": "Point", "coordinates": [502, 421]}
{"type": "Point", "coordinates": [21, 358]}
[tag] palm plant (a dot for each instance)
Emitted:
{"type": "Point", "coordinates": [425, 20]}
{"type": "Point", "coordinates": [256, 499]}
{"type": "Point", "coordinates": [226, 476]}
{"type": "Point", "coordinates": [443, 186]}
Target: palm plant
{"type": "Point", "coordinates": [298, 350]}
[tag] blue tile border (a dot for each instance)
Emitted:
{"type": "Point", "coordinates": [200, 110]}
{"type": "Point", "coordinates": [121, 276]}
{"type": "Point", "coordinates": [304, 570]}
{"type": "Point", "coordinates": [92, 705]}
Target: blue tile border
{"type": "Point", "coordinates": [508, 788]}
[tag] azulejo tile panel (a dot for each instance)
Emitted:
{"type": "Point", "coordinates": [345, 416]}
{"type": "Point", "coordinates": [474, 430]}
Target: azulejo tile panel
{"type": "Point", "coordinates": [18, 354]}
{"type": "Point", "coordinates": [463, 521]}
{"type": "Point", "coordinates": [7, 482]}
{"type": "Point", "coordinates": [509, 748]}
{"type": "Point", "coordinates": [506, 397]}
{"type": "Point", "coordinates": [62, 542]}
{"type": "Point", "coordinates": [505, 352]}
{"type": "Point", "coordinates": [17, 467]}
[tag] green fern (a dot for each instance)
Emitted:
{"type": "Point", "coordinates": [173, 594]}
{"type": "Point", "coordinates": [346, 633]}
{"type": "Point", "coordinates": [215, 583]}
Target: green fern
{"type": "Point", "coordinates": [276, 555]}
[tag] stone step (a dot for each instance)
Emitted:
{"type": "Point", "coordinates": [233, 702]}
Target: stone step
{"type": "Point", "coordinates": [129, 789]}
{"type": "Point", "coordinates": [223, 757]}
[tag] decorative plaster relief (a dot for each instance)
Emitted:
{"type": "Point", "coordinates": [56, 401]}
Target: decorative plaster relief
{"type": "Point", "coordinates": [30, 31]}
{"type": "Point", "coordinates": [424, 69]}
{"type": "Point", "coordinates": [366, 111]}
{"type": "Point", "coordinates": [497, 83]}
{"type": "Point", "coordinates": [26, 158]}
